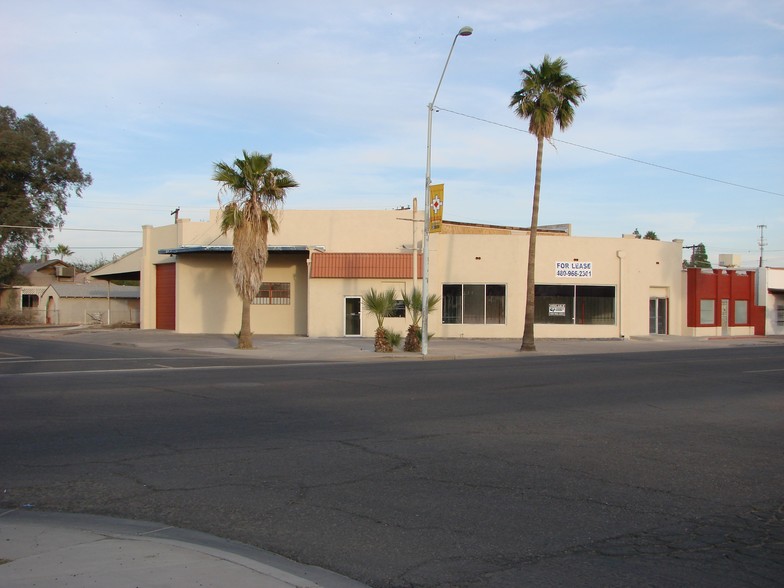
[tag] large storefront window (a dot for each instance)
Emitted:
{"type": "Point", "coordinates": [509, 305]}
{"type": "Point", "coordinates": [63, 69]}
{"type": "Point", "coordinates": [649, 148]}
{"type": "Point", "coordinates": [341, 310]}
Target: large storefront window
{"type": "Point", "coordinates": [572, 304]}
{"type": "Point", "coordinates": [473, 304]}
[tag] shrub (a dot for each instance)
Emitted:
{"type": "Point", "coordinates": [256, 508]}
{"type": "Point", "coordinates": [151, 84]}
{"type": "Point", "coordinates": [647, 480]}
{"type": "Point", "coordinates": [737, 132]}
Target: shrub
{"type": "Point", "coordinates": [14, 317]}
{"type": "Point", "coordinates": [393, 338]}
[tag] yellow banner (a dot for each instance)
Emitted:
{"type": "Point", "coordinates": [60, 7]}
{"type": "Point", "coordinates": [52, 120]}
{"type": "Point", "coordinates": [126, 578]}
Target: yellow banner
{"type": "Point", "coordinates": [436, 207]}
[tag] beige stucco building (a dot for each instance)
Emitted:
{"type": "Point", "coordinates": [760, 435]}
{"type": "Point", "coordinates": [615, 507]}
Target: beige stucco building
{"type": "Point", "coordinates": [96, 303]}
{"type": "Point", "coordinates": [771, 291]}
{"type": "Point", "coordinates": [322, 261]}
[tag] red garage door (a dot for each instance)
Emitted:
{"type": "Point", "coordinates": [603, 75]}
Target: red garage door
{"type": "Point", "coordinates": [164, 296]}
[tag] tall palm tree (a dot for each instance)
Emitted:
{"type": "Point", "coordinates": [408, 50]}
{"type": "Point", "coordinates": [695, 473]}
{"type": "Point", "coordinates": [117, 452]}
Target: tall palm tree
{"type": "Point", "coordinates": [548, 95]}
{"type": "Point", "coordinates": [257, 190]}
{"type": "Point", "coordinates": [62, 250]}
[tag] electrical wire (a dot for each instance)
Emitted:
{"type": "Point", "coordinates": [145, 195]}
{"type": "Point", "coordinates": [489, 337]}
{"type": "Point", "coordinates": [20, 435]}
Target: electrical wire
{"type": "Point", "coordinates": [68, 229]}
{"type": "Point", "coordinates": [640, 161]}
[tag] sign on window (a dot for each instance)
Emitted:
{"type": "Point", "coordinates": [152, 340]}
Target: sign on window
{"type": "Point", "coordinates": [557, 310]}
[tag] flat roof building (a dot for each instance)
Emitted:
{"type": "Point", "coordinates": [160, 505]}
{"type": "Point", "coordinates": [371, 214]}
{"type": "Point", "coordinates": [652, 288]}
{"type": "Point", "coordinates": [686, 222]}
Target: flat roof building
{"type": "Point", "coordinates": [321, 262]}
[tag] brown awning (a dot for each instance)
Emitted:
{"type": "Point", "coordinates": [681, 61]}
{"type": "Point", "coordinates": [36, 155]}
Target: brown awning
{"type": "Point", "coordinates": [363, 265]}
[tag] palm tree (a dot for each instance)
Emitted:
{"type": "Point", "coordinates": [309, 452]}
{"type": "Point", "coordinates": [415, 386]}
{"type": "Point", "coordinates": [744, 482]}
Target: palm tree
{"type": "Point", "coordinates": [257, 190]}
{"type": "Point", "coordinates": [379, 304]}
{"type": "Point", "coordinates": [413, 304]}
{"type": "Point", "coordinates": [62, 250]}
{"type": "Point", "coordinates": [548, 95]}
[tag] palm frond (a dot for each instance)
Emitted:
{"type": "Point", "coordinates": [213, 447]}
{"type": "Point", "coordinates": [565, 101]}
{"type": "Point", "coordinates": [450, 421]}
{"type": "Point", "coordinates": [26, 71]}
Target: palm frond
{"type": "Point", "coordinates": [547, 96]}
{"type": "Point", "coordinates": [413, 304]}
{"type": "Point", "coordinates": [379, 304]}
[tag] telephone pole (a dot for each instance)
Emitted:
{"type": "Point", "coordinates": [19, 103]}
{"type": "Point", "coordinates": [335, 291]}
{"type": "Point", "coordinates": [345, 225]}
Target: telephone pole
{"type": "Point", "coordinates": [762, 241]}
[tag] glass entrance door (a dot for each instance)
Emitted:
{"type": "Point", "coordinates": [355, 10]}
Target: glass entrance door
{"type": "Point", "coordinates": [657, 316]}
{"type": "Point", "coordinates": [353, 312]}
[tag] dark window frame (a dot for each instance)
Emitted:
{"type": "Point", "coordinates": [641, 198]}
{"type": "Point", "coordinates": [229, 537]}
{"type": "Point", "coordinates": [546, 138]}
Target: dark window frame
{"type": "Point", "coordinates": [399, 310]}
{"type": "Point", "coordinates": [461, 304]}
{"type": "Point", "coordinates": [583, 304]}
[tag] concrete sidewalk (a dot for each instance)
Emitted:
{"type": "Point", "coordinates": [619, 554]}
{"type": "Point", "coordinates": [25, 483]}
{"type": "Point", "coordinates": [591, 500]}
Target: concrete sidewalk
{"type": "Point", "coordinates": [48, 550]}
{"type": "Point", "coordinates": [353, 349]}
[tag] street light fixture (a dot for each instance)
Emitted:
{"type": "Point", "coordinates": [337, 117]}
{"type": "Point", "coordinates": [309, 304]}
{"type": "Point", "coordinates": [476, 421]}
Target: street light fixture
{"type": "Point", "coordinates": [463, 32]}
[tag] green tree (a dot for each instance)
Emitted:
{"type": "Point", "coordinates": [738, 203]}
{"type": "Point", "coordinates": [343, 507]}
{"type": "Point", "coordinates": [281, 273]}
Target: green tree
{"type": "Point", "coordinates": [380, 304]}
{"type": "Point", "coordinates": [413, 304]}
{"type": "Point", "coordinates": [699, 257]}
{"type": "Point", "coordinates": [257, 190]}
{"type": "Point", "coordinates": [38, 174]}
{"type": "Point", "coordinates": [651, 236]}
{"type": "Point", "coordinates": [547, 96]}
{"type": "Point", "coordinates": [62, 250]}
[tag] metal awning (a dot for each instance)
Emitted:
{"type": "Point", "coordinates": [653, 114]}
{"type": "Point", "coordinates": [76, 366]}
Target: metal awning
{"type": "Point", "coordinates": [229, 248]}
{"type": "Point", "coordinates": [127, 267]}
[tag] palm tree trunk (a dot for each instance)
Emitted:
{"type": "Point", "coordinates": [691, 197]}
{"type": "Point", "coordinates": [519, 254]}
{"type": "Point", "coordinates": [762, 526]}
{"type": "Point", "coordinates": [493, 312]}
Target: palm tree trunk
{"type": "Point", "coordinates": [528, 343]}
{"type": "Point", "coordinates": [245, 339]}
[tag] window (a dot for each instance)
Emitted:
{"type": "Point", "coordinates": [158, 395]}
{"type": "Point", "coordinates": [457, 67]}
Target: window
{"type": "Point", "coordinates": [707, 312]}
{"type": "Point", "coordinates": [741, 312]}
{"type": "Point", "coordinates": [273, 293]}
{"type": "Point", "coordinates": [29, 300]}
{"type": "Point", "coordinates": [554, 304]}
{"type": "Point", "coordinates": [579, 305]}
{"type": "Point", "coordinates": [399, 311]}
{"type": "Point", "coordinates": [452, 304]}
{"type": "Point", "coordinates": [473, 304]}
{"type": "Point", "coordinates": [780, 314]}
{"type": "Point", "coordinates": [495, 306]}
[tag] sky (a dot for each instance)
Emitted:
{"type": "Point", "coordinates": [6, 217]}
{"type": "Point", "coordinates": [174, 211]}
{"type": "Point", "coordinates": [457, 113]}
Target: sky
{"type": "Point", "coordinates": [681, 131]}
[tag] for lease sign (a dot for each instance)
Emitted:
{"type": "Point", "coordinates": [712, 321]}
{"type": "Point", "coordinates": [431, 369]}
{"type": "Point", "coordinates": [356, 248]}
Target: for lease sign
{"type": "Point", "coordinates": [573, 269]}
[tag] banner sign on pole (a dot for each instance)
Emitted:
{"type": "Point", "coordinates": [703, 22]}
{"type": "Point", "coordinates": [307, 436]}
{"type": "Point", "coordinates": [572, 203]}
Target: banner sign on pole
{"type": "Point", "coordinates": [436, 207]}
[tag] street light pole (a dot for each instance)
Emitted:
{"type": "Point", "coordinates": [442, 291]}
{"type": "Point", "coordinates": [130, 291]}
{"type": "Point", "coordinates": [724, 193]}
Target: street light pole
{"type": "Point", "coordinates": [463, 32]}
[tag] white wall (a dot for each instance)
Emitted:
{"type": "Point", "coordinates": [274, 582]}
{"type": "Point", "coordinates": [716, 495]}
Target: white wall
{"type": "Point", "coordinates": [774, 280]}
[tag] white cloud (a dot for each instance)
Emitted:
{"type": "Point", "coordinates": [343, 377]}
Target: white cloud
{"type": "Point", "coordinates": [153, 93]}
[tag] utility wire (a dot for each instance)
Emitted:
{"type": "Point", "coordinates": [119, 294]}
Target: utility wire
{"type": "Point", "coordinates": [67, 229]}
{"type": "Point", "coordinates": [671, 169]}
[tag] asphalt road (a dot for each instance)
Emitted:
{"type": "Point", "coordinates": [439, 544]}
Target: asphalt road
{"type": "Point", "coordinates": [653, 469]}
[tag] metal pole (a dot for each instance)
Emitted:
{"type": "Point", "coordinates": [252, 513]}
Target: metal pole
{"type": "Point", "coordinates": [415, 268]}
{"type": "Point", "coordinates": [762, 242]}
{"type": "Point", "coordinates": [463, 32]}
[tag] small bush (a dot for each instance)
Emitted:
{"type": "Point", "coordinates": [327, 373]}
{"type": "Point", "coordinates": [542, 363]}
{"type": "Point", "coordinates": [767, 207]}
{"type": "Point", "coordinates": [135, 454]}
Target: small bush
{"type": "Point", "coordinates": [14, 317]}
{"type": "Point", "coordinates": [393, 338]}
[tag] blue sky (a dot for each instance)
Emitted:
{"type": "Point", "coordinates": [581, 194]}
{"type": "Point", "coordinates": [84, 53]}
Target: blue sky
{"type": "Point", "coordinates": [153, 93]}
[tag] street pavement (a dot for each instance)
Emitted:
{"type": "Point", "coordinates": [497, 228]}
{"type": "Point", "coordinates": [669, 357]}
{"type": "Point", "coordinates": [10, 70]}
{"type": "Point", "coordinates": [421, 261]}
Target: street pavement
{"type": "Point", "coordinates": [47, 549]}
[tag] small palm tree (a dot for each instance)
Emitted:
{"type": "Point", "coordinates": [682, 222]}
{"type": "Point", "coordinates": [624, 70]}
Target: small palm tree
{"type": "Point", "coordinates": [257, 190]}
{"type": "Point", "coordinates": [380, 304]}
{"type": "Point", "coordinates": [413, 303]}
{"type": "Point", "coordinates": [548, 95]}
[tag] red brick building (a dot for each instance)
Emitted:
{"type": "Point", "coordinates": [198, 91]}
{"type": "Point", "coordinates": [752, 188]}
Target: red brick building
{"type": "Point", "coordinates": [722, 301]}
